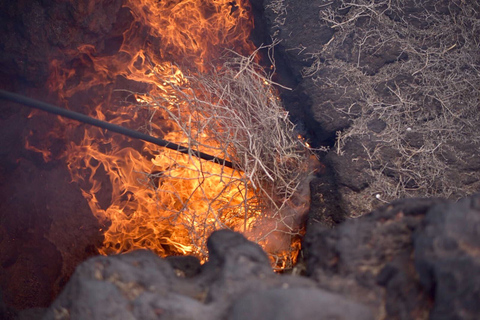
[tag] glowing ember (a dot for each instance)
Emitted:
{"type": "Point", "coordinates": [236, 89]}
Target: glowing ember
{"type": "Point", "coordinates": [167, 80]}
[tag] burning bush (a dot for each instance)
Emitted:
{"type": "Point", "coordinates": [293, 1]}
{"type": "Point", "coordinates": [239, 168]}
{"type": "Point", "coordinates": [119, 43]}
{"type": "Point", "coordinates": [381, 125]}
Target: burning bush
{"type": "Point", "coordinates": [232, 113]}
{"type": "Point", "coordinates": [167, 79]}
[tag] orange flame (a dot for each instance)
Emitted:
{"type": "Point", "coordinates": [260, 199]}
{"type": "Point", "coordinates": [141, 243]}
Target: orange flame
{"type": "Point", "coordinates": [155, 198]}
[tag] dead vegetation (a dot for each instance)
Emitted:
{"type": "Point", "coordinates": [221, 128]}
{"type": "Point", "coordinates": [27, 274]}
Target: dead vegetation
{"type": "Point", "coordinates": [415, 68]}
{"type": "Point", "coordinates": [232, 113]}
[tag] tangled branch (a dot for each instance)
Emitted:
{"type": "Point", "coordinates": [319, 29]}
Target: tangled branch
{"type": "Point", "coordinates": [234, 113]}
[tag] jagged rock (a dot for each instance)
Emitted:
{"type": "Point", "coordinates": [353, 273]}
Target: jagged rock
{"type": "Point", "coordinates": [411, 259]}
{"type": "Point", "coordinates": [185, 266]}
{"type": "Point", "coordinates": [237, 256]}
{"type": "Point", "coordinates": [137, 285]}
{"type": "Point", "coordinates": [370, 259]}
{"type": "Point", "coordinates": [237, 267]}
{"type": "Point", "coordinates": [140, 285]}
{"type": "Point", "coordinates": [285, 304]}
{"type": "Point", "coordinates": [447, 258]}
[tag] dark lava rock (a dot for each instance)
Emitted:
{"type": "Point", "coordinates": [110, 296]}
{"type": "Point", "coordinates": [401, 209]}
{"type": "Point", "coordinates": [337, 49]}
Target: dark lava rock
{"type": "Point", "coordinates": [46, 230]}
{"type": "Point", "coordinates": [137, 285]}
{"type": "Point", "coordinates": [34, 31]}
{"type": "Point", "coordinates": [140, 285]}
{"type": "Point", "coordinates": [447, 258]}
{"type": "Point", "coordinates": [411, 259]}
{"type": "Point", "coordinates": [237, 255]}
{"type": "Point", "coordinates": [286, 304]}
{"type": "Point", "coordinates": [185, 266]}
{"type": "Point", "coordinates": [350, 170]}
{"type": "Point", "coordinates": [304, 37]}
{"type": "Point", "coordinates": [353, 164]}
{"type": "Point", "coordinates": [370, 259]}
{"type": "Point", "coordinates": [376, 125]}
{"type": "Point", "coordinates": [237, 267]}
{"type": "Point", "coordinates": [325, 201]}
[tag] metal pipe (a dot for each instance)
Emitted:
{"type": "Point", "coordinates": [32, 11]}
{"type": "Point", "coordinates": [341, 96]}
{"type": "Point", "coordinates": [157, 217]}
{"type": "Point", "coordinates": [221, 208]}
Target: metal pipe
{"type": "Point", "coordinates": [32, 103]}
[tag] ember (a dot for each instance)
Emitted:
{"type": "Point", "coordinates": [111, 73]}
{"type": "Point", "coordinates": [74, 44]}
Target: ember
{"type": "Point", "coordinates": [169, 80]}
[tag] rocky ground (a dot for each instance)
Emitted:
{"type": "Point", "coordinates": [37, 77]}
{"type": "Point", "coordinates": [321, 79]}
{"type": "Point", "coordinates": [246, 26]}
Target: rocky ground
{"type": "Point", "coordinates": [391, 88]}
{"type": "Point", "coordinates": [411, 259]}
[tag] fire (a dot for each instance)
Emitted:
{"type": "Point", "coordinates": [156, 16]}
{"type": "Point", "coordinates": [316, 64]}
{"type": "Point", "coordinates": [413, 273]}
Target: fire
{"type": "Point", "coordinates": [151, 197]}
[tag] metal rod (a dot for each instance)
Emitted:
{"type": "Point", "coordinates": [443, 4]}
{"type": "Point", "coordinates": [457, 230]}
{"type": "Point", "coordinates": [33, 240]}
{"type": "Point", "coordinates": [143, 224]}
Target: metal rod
{"type": "Point", "coordinates": [109, 126]}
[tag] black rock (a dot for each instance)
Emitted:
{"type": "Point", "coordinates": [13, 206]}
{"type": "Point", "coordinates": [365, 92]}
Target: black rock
{"type": "Point", "coordinates": [140, 285]}
{"type": "Point", "coordinates": [185, 266]}
{"type": "Point", "coordinates": [447, 258]}
{"type": "Point", "coordinates": [411, 259]}
{"type": "Point", "coordinates": [370, 259]}
{"type": "Point", "coordinates": [137, 285]}
{"type": "Point", "coordinates": [286, 304]}
{"type": "Point", "coordinates": [237, 267]}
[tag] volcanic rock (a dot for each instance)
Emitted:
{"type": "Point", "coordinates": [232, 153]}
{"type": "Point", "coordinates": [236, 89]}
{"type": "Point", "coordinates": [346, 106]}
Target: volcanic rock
{"type": "Point", "coordinates": [285, 304]}
{"type": "Point", "coordinates": [447, 258]}
{"type": "Point", "coordinates": [235, 283]}
{"type": "Point", "coordinates": [411, 259]}
{"type": "Point", "coordinates": [370, 259]}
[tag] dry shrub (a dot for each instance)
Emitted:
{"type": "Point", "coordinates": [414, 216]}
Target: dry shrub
{"type": "Point", "coordinates": [428, 95]}
{"type": "Point", "coordinates": [233, 113]}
